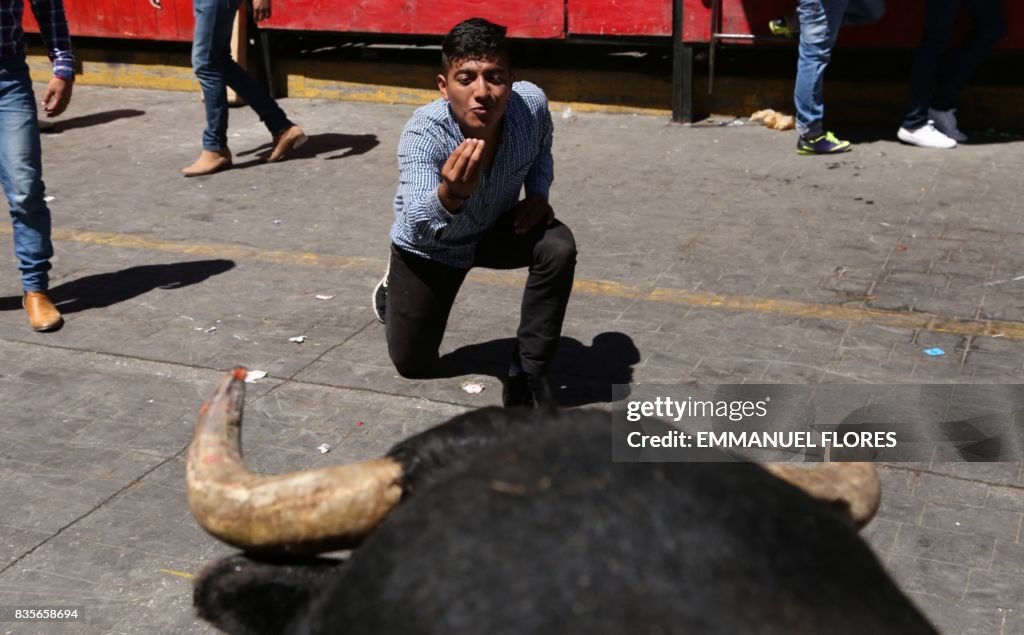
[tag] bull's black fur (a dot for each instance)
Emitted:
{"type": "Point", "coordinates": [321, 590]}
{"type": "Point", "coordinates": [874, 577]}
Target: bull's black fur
{"type": "Point", "coordinates": [427, 456]}
{"type": "Point", "coordinates": [530, 528]}
{"type": "Point", "coordinates": [249, 594]}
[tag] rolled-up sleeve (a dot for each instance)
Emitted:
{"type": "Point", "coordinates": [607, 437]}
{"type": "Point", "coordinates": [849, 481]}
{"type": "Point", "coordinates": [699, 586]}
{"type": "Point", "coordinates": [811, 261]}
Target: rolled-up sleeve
{"type": "Point", "coordinates": [420, 158]}
{"type": "Point", "coordinates": [53, 26]}
{"type": "Point", "coordinates": [542, 174]}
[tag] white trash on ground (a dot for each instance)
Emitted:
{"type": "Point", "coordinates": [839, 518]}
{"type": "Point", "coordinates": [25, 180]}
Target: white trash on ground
{"type": "Point", "coordinates": [472, 386]}
{"type": "Point", "coordinates": [253, 375]}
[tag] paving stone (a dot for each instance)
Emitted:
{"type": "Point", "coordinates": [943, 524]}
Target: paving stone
{"type": "Point", "coordinates": [896, 481]}
{"type": "Point", "coordinates": [1014, 624]}
{"type": "Point", "coordinates": [996, 589]}
{"type": "Point", "coordinates": [904, 508]}
{"type": "Point", "coordinates": [929, 576]}
{"type": "Point", "coordinates": [1009, 557]}
{"type": "Point", "coordinates": [938, 488]}
{"type": "Point", "coordinates": [964, 618]}
{"type": "Point", "coordinates": [992, 473]}
{"type": "Point", "coordinates": [1005, 498]}
{"type": "Point", "coordinates": [15, 542]}
{"type": "Point", "coordinates": [969, 550]}
{"type": "Point", "coordinates": [971, 519]}
{"type": "Point", "coordinates": [881, 534]}
{"type": "Point", "coordinates": [107, 582]}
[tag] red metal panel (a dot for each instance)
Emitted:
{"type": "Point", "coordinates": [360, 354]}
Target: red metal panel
{"type": "Point", "coordinates": [621, 17]}
{"type": "Point", "coordinates": [901, 26]}
{"type": "Point", "coordinates": [534, 19]}
{"type": "Point", "coordinates": [132, 19]}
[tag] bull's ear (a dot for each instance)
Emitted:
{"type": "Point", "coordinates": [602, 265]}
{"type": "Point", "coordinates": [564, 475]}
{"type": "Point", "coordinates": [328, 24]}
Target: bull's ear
{"type": "Point", "coordinates": [242, 594]}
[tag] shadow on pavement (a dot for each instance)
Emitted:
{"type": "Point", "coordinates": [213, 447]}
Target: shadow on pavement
{"type": "Point", "coordinates": [346, 145]}
{"type": "Point", "coordinates": [870, 134]}
{"type": "Point", "coordinates": [105, 289]}
{"type": "Point", "coordinates": [95, 119]}
{"type": "Point", "coordinates": [581, 374]}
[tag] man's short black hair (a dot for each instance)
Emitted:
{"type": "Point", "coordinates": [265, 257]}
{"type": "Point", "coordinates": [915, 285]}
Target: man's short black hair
{"type": "Point", "coordinates": [474, 39]}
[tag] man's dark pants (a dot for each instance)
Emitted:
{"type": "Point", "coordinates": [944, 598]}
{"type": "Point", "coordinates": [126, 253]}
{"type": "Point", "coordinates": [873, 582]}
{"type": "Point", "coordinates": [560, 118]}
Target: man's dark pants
{"type": "Point", "coordinates": [939, 90]}
{"type": "Point", "coordinates": [421, 293]}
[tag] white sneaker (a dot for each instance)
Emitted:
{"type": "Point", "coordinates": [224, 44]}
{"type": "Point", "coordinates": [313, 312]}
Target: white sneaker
{"type": "Point", "coordinates": [926, 137]}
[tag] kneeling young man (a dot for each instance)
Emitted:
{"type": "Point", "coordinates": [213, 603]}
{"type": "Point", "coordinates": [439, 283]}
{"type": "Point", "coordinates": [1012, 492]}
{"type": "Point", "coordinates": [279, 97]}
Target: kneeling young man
{"type": "Point", "coordinates": [463, 161]}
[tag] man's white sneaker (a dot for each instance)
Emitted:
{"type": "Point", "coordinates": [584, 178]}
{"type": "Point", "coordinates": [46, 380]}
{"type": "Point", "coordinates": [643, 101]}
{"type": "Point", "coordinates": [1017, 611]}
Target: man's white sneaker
{"type": "Point", "coordinates": [926, 137]}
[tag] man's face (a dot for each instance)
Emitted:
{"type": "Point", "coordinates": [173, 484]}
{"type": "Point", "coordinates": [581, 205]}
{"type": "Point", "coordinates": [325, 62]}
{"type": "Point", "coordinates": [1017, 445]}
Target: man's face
{"type": "Point", "coordinates": [478, 91]}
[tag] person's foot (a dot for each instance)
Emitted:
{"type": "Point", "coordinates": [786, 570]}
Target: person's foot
{"type": "Point", "coordinates": [379, 301]}
{"type": "Point", "coordinates": [523, 390]}
{"type": "Point", "coordinates": [825, 144]}
{"type": "Point", "coordinates": [786, 26]}
{"type": "Point", "coordinates": [289, 140]}
{"type": "Point", "coordinates": [945, 122]}
{"type": "Point", "coordinates": [209, 162]}
{"type": "Point", "coordinates": [42, 315]}
{"type": "Point", "coordinates": [926, 137]}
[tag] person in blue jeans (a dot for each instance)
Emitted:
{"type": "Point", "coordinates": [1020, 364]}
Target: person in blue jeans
{"type": "Point", "coordinates": [216, 70]}
{"type": "Point", "coordinates": [819, 22]}
{"type": "Point", "coordinates": [930, 121]}
{"type": "Point", "coordinates": [21, 170]}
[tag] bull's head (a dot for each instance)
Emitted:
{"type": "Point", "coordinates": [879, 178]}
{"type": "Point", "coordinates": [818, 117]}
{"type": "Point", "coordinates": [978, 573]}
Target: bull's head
{"type": "Point", "coordinates": [301, 512]}
{"type": "Point", "coordinates": [320, 510]}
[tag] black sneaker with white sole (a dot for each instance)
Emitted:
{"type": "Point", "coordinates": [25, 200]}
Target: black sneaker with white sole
{"type": "Point", "coordinates": [379, 301]}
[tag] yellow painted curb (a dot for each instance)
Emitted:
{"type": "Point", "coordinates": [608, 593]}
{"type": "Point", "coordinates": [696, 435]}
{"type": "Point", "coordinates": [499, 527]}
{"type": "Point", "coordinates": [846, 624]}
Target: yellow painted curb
{"type": "Point", "coordinates": [583, 90]}
{"type": "Point", "coordinates": [601, 288]}
{"type": "Point", "coordinates": [378, 83]}
{"type": "Point", "coordinates": [153, 71]}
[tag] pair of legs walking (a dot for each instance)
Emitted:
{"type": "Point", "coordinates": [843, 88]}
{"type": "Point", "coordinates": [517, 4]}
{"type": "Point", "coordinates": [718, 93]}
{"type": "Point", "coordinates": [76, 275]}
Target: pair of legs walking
{"type": "Point", "coordinates": [216, 71]}
{"type": "Point", "coordinates": [21, 175]}
{"type": "Point", "coordinates": [421, 292]}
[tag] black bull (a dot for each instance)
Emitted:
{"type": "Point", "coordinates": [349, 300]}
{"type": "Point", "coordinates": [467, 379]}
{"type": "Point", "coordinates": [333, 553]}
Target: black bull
{"type": "Point", "coordinates": [518, 522]}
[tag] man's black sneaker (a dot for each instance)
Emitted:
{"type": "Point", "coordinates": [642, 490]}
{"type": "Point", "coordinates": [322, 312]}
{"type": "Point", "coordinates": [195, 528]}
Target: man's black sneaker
{"type": "Point", "coordinates": [527, 391]}
{"type": "Point", "coordinates": [379, 301]}
{"type": "Point", "coordinates": [825, 144]}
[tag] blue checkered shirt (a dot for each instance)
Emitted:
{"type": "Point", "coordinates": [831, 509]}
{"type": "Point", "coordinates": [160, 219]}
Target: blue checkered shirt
{"type": "Point", "coordinates": [422, 225]}
{"type": "Point", "coordinates": [53, 26]}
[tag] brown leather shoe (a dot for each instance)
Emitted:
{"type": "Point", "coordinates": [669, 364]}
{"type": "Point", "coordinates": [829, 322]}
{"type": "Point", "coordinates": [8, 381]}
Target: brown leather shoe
{"type": "Point", "coordinates": [209, 162]}
{"type": "Point", "coordinates": [42, 315]}
{"type": "Point", "coordinates": [285, 142]}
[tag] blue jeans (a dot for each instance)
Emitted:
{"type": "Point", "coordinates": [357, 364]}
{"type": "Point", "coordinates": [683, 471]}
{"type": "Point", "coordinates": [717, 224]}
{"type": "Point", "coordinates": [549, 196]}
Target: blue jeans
{"type": "Point", "coordinates": [21, 174]}
{"type": "Point", "coordinates": [213, 66]}
{"type": "Point", "coordinates": [939, 21]}
{"type": "Point", "coordinates": [820, 21]}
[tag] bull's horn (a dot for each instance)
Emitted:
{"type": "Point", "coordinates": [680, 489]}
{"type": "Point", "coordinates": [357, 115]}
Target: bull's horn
{"type": "Point", "coordinates": [300, 512]}
{"type": "Point", "coordinates": [854, 484]}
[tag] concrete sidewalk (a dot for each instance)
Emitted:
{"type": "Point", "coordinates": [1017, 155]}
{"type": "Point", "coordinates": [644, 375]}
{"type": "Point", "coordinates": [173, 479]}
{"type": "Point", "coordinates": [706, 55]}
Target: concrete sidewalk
{"type": "Point", "coordinates": [710, 254]}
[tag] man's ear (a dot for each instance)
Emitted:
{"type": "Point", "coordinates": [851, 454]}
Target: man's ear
{"type": "Point", "coordinates": [442, 85]}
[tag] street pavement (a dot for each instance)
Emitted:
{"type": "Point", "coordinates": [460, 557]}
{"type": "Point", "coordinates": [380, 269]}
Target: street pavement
{"type": "Point", "coordinates": [710, 254]}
